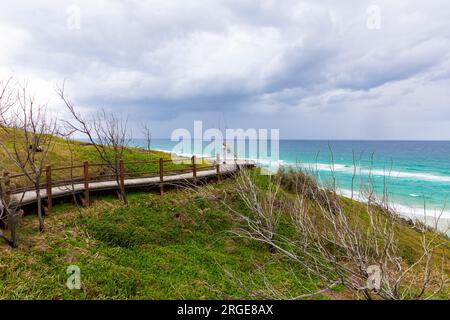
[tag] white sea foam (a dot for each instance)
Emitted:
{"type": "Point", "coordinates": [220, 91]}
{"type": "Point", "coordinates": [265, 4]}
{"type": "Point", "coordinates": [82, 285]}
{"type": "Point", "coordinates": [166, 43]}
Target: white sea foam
{"type": "Point", "coordinates": [433, 217]}
{"type": "Point", "coordinates": [424, 176]}
{"type": "Point", "coordinates": [414, 175]}
{"type": "Point", "coordinates": [427, 215]}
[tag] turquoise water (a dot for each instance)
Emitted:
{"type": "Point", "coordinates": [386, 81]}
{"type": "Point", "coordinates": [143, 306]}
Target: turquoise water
{"type": "Point", "coordinates": [416, 172]}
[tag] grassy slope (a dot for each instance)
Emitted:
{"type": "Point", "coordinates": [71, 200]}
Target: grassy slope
{"type": "Point", "coordinates": [61, 155]}
{"type": "Point", "coordinates": [409, 239]}
{"type": "Point", "coordinates": [142, 251]}
{"type": "Point", "coordinates": [407, 236]}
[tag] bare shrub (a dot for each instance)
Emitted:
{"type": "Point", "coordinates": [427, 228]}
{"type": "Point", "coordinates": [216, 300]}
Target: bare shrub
{"type": "Point", "coordinates": [349, 249]}
{"type": "Point", "coordinates": [148, 136]}
{"type": "Point", "coordinates": [341, 245]}
{"type": "Point", "coordinates": [9, 214]}
{"type": "Point", "coordinates": [305, 183]}
{"type": "Point", "coordinates": [106, 132]}
{"type": "Point", "coordinates": [29, 139]}
{"type": "Point", "coordinates": [264, 205]}
{"type": "Point", "coordinates": [7, 100]}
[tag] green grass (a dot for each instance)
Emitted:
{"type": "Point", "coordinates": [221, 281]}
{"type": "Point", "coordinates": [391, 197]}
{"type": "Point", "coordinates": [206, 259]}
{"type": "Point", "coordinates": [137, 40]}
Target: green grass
{"type": "Point", "coordinates": [143, 252]}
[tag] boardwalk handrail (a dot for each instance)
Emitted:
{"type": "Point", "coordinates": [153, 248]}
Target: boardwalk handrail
{"type": "Point", "coordinates": [82, 176]}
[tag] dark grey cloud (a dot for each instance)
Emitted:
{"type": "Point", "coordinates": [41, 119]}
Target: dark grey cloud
{"type": "Point", "coordinates": [293, 65]}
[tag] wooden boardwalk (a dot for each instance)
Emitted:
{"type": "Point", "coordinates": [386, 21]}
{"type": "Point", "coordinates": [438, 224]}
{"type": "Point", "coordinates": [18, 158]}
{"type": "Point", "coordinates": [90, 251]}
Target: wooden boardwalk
{"type": "Point", "coordinates": [26, 197]}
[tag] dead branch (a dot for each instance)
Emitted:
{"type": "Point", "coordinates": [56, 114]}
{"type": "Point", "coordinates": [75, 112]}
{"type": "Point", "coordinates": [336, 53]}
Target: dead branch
{"type": "Point", "coordinates": [107, 133]}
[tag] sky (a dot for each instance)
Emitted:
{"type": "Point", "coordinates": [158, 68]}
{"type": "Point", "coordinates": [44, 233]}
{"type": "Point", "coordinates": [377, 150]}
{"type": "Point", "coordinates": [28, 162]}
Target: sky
{"type": "Point", "coordinates": [349, 69]}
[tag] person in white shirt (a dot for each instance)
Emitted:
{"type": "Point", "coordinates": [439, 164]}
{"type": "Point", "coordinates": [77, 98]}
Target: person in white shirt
{"type": "Point", "coordinates": [225, 150]}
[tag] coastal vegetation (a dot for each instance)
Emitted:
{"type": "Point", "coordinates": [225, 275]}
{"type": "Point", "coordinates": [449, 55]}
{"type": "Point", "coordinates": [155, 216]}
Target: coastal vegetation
{"type": "Point", "coordinates": [189, 244]}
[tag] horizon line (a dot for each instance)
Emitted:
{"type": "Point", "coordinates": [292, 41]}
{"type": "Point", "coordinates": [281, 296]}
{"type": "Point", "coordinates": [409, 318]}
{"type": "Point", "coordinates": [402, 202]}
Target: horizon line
{"type": "Point", "coordinates": [324, 139]}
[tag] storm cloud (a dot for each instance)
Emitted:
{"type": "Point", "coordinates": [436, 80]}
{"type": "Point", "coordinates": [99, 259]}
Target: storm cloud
{"type": "Point", "coordinates": [315, 70]}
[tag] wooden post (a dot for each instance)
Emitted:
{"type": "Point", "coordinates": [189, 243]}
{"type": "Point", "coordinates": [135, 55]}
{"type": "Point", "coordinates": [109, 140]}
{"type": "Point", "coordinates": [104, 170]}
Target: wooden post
{"type": "Point", "coordinates": [7, 186]}
{"type": "Point", "coordinates": [218, 167]}
{"type": "Point", "coordinates": [48, 172]}
{"type": "Point", "coordinates": [122, 177]}
{"type": "Point", "coordinates": [86, 201]}
{"type": "Point", "coordinates": [161, 176]}
{"type": "Point", "coordinates": [194, 168]}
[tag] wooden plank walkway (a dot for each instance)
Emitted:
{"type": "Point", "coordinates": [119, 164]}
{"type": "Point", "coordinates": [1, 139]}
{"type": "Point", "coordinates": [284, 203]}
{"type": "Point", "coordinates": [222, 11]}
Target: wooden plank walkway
{"type": "Point", "coordinates": [29, 197]}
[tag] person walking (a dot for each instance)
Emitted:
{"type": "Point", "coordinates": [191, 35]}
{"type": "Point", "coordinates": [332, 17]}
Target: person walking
{"type": "Point", "coordinates": [225, 151]}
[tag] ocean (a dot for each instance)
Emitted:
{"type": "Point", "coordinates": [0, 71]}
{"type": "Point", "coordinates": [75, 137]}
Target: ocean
{"type": "Point", "coordinates": [417, 173]}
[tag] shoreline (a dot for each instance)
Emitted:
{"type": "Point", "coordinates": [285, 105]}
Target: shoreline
{"type": "Point", "coordinates": [427, 215]}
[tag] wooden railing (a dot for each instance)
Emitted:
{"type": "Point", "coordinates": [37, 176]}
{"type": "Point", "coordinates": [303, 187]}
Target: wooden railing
{"type": "Point", "coordinates": [87, 173]}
